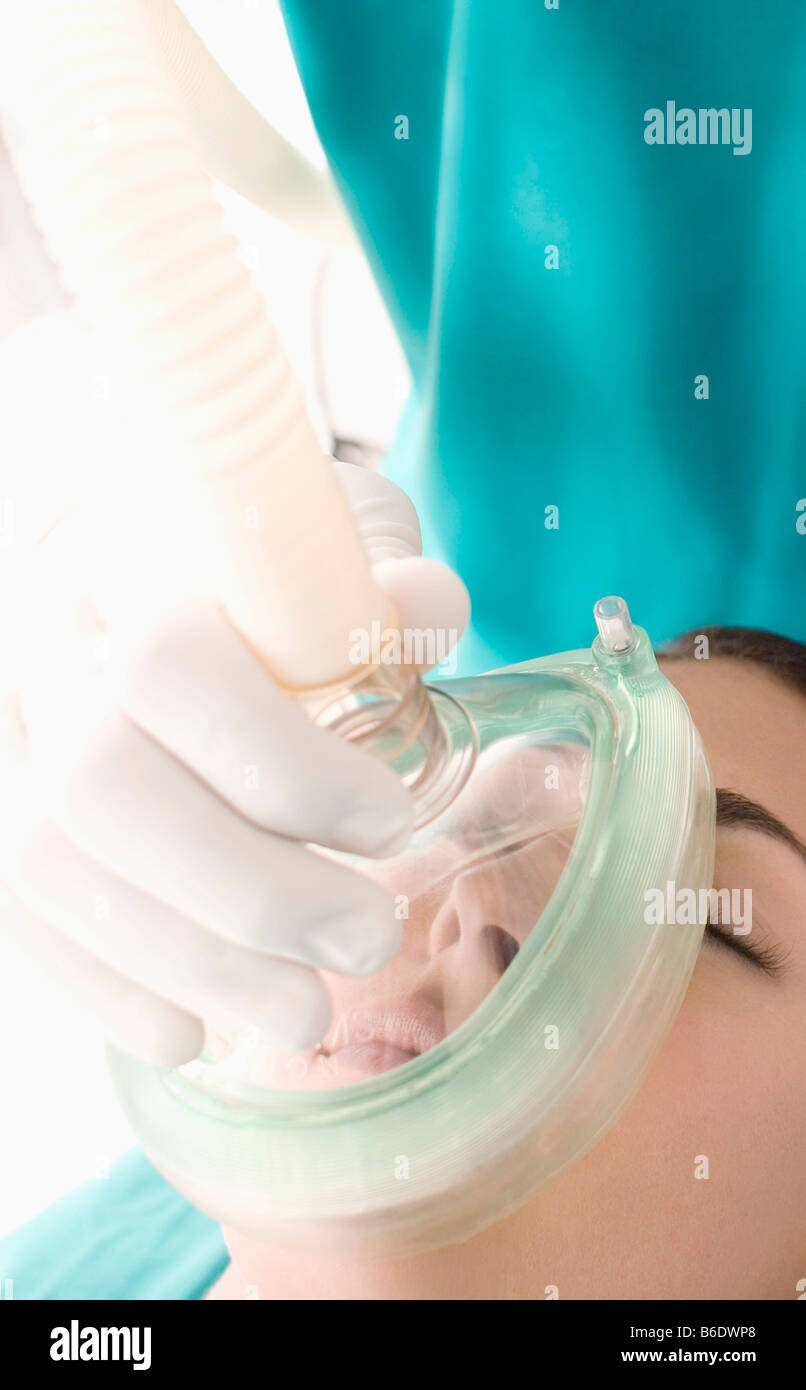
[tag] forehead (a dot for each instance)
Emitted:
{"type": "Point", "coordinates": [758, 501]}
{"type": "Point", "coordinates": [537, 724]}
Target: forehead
{"type": "Point", "coordinates": [754, 728]}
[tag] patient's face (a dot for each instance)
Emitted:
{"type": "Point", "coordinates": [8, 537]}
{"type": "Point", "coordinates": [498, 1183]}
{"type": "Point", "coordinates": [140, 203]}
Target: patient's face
{"type": "Point", "coordinates": [699, 1189]}
{"type": "Point", "coordinates": [469, 890]}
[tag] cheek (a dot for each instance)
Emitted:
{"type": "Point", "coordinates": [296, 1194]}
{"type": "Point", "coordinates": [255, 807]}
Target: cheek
{"type": "Point", "coordinates": [699, 1189]}
{"type": "Point", "coordinates": [735, 1052]}
{"type": "Point", "coordinates": [718, 1099]}
{"type": "Point", "coordinates": [709, 1160]}
{"type": "Point", "coordinates": [714, 1053]}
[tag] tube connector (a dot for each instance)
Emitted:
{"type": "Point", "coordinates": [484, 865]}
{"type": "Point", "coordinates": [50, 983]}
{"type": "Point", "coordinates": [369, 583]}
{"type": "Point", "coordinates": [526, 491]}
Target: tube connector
{"type": "Point", "coordinates": [615, 626]}
{"type": "Point", "coordinates": [421, 732]}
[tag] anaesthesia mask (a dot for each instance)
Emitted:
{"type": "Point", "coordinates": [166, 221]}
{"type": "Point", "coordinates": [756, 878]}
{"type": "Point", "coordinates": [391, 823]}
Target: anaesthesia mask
{"type": "Point", "coordinates": [532, 989]}
{"type": "Point", "coordinates": [530, 992]}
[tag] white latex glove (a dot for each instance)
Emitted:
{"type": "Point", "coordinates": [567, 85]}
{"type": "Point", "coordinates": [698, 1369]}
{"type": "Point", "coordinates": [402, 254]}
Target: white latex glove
{"type": "Point", "coordinates": [156, 852]}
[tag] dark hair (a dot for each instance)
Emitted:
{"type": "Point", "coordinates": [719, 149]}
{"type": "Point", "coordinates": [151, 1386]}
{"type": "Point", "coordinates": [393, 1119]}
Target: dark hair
{"type": "Point", "coordinates": [781, 656]}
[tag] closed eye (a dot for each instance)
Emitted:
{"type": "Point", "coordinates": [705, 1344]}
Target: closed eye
{"type": "Point", "coordinates": [770, 959]}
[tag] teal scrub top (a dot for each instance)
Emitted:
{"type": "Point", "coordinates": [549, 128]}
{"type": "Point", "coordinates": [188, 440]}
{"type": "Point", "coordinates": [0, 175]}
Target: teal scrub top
{"type": "Point", "coordinates": [566, 379]}
{"type": "Point", "coordinates": [559, 285]}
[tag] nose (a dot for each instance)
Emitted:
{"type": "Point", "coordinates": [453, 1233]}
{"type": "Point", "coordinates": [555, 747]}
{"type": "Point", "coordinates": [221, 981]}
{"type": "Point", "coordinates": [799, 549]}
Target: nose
{"type": "Point", "coordinates": [468, 951]}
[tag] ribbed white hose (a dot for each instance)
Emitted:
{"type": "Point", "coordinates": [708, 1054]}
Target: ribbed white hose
{"type": "Point", "coordinates": [115, 177]}
{"type": "Point", "coordinates": [240, 147]}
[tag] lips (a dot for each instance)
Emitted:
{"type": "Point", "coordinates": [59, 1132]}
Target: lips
{"type": "Point", "coordinates": [367, 1042]}
{"type": "Point", "coordinates": [370, 1058]}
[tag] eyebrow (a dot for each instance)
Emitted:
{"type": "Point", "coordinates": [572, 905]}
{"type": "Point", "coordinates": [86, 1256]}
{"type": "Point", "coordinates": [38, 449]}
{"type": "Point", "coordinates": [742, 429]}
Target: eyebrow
{"type": "Point", "coordinates": [733, 809]}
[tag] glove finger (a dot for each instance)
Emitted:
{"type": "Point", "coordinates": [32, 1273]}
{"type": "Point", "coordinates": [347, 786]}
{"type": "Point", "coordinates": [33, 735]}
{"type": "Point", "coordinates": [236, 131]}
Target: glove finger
{"type": "Point", "coordinates": [200, 691]}
{"type": "Point", "coordinates": [432, 607]}
{"type": "Point", "coordinates": [137, 811]}
{"type": "Point", "coordinates": [148, 943]}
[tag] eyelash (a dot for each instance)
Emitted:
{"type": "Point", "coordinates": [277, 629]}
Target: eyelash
{"type": "Point", "coordinates": [770, 959]}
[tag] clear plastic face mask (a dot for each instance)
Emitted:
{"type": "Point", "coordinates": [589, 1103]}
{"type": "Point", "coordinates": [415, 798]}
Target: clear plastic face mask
{"type": "Point", "coordinates": [468, 894]}
{"type": "Point", "coordinates": [529, 993]}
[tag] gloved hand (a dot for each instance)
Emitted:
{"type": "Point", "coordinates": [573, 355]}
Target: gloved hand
{"type": "Point", "coordinates": [158, 855]}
